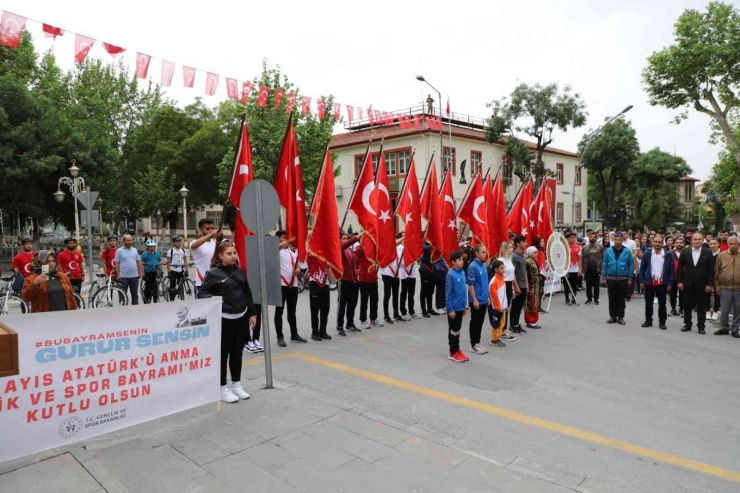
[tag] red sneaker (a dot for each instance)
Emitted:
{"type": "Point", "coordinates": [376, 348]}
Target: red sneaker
{"type": "Point", "coordinates": [462, 355]}
{"type": "Point", "coordinates": [457, 357]}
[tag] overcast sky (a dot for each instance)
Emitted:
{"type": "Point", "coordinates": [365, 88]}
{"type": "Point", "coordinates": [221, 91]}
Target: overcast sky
{"type": "Point", "coordinates": [370, 52]}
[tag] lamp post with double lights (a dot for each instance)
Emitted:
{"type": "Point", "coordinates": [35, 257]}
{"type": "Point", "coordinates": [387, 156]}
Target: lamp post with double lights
{"type": "Point", "coordinates": [580, 159]}
{"type": "Point", "coordinates": [184, 194]}
{"type": "Point", "coordinates": [441, 138]}
{"type": "Point", "coordinates": [76, 185]}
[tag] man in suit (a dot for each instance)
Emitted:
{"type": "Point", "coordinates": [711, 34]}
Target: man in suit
{"type": "Point", "coordinates": [656, 278]}
{"type": "Point", "coordinates": [695, 277]}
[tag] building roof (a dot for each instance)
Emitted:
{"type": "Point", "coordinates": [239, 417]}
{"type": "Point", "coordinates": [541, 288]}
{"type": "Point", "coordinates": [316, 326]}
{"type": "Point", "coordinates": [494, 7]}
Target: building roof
{"type": "Point", "coordinates": [349, 139]}
{"type": "Point", "coordinates": [689, 178]}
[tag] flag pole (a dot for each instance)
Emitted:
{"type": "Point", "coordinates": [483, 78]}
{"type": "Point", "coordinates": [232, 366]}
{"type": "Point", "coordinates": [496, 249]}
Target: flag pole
{"type": "Point", "coordinates": [521, 187]}
{"type": "Point", "coordinates": [406, 178]}
{"type": "Point", "coordinates": [236, 154]}
{"type": "Point", "coordinates": [354, 189]}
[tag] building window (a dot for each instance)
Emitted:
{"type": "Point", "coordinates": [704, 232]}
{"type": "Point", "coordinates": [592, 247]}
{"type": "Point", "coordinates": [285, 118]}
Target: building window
{"type": "Point", "coordinates": [191, 220]}
{"type": "Point", "coordinates": [404, 162]}
{"type": "Point", "coordinates": [559, 213]}
{"type": "Point", "coordinates": [508, 171]}
{"type": "Point", "coordinates": [578, 213]}
{"type": "Point", "coordinates": [358, 165]}
{"type": "Point", "coordinates": [578, 175]}
{"type": "Point", "coordinates": [450, 160]}
{"type": "Point", "coordinates": [214, 216]}
{"type": "Point", "coordinates": [476, 159]}
{"type": "Point", "coordinates": [560, 172]}
{"type": "Point", "coordinates": [390, 163]}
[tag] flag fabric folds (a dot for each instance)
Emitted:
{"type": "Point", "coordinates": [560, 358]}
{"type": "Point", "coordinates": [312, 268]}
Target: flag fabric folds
{"type": "Point", "coordinates": [431, 211]}
{"type": "Point", "coordinates": [364, 204]}
{"type": "Point", "coordinates": [473, 211]}
{"type": "Point", "coordinates": [518, 217]}
{"type": "Point", "coordinates": [498, 230]}
{"type": "Point", "coordinates": [288, 184]}
{"type": "Point", "coordinates": [448, 218]}
{"type": "Point", "coordinates": [323, 244]}
{"type": "Point", "coordinates": [386, 224]}
{"type": "Point", "coordinates": [243, 174]}
{"type": "Point", "coordinates": [409, 210]}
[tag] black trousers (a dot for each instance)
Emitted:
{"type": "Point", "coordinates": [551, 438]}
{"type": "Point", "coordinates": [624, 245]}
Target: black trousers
{"type": "Point", "coordinates": [175, 281]}
{"type": "Point", "coordinates": [617, 294]}
{"type": "Point", "coordinates": [573, 281]}
{"type": "Point", "coordinates": [368, 296]}
{"type": "Point", "coordinates": [651, 292]}
{"type": "Point", "coordinates": [592, 284]}
{"type": "Point", "coordinates": [694, 296]}
{"type": "Point", "coordinates": [441, 280]}
{"type": "Point", "coordinates": [150, 287]}
{"type": "Point", "coordinates": [390, 288]}
{"type": "Point", "coordinates": [509, 298]}
{"type": "Point", "coordinates": [320, 302]}
{"type": "Point", "coordinates": [290, 297]}
{"type": "Point", "coordinates": [132, 285]}
{"type": "Point", "coordinates": [516, 308]}
{"type": "Point", "coordinates": [453, 333]}
{"type": "Point", "coordinates": [408, 288]}
{"type": "Point", "coordinates": [348, 291]}
{"type": "Point", "coordinates": [477, 317]}
{"type": "Point", "coordinates": [428, 284]}
{"type": "Point", "coordinates": [676, 296]}
{"type": "Point", "coordinates": [234, 333]}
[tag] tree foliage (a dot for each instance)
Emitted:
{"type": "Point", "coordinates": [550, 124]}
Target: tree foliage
{"type": "Point", "coordinates": [536, 111]}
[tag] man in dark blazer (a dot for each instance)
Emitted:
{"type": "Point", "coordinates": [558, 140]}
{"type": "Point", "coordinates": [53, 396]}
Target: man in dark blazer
{"type": "Point", "coordinates": [695, 277]}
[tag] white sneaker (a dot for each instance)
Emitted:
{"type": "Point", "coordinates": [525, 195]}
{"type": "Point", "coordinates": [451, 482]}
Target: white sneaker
{"type": "Point", "coordinates": [478, 349]}
{"type": "Point", "coordinates": [709, 316]}
{"type": "Point", "coordinates": [715, 316]}
{"type": "Point", "coordinates": [416, 316]}
{"type": "Point", "coordinates": [238, 391]}
{"type": "Point", "coordinates": [250, 347]}
{"type": "Point", "coordinates": [258, 347]}
{"type": "Point", "coordinates": [227, 395]}
{"type": "Point", "coordinates": [376, 323]}
{"type": "Point", "coordinates": [364, 324]}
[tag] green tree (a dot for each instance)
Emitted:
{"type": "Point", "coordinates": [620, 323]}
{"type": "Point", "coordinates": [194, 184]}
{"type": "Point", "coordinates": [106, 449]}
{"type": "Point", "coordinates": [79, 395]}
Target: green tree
{"type": "Point", "coordinates": [609, 159]}
{"type": "Point", "coordinates": [536, 111]}
{"type": "Point", "coordinates": [701, 69]}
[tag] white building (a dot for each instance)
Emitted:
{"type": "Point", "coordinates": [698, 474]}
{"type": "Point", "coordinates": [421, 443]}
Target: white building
{"type": "Point", "coordinates": [466, 142]}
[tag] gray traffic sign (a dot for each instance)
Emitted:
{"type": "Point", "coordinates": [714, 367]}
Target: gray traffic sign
{"type": "Point", "coordinates": [95, 219]}
{"type": "Point", "coordinates": [259, 198]}
{"type": "Point", "coordinates": [82, 198]}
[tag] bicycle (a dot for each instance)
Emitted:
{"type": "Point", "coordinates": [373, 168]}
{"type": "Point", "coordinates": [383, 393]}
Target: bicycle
{"type": "Point", "coordinates": [10, 302]}
{"type": "Point", "coordinates": [112, 294]}
{"type": "Point", "coordinates": [185, 290]}
{"type": "Point", "coordinates": [162, 295]}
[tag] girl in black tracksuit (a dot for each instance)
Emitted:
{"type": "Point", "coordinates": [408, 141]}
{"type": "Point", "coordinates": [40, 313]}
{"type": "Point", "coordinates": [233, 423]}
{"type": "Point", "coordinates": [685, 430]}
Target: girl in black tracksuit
{"type": "Point", "coordinates": [227, 280]}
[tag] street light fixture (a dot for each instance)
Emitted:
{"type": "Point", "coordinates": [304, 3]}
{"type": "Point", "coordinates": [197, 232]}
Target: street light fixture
{"type": "Point", "coordinates": [76, 185]}
{"type": "Point", "coordinates": [184, 194]}
{"type": "Point", "coordinates": [441, 138]}
{"type": "Point", "coordinates": [580, 159]}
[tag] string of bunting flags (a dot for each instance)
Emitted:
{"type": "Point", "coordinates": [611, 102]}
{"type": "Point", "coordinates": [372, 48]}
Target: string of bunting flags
{"type": "Point", "coordinates": [12, 26]}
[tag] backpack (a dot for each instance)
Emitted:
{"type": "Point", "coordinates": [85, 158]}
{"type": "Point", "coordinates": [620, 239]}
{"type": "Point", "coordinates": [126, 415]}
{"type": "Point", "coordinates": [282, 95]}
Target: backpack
{"type": "Point", "coordinates": [18, 281]}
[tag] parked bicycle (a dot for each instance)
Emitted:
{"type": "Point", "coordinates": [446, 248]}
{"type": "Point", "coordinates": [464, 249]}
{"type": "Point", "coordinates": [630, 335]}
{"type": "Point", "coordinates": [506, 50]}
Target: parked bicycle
{"type": "Point", "coordinates": [11, 302]}
{"type": "Point", "coordinates": [161, 294]}
{"type": "Point", "coordinates": [184, 288]}
{"type": "Point", "coordinates": [112, 294]}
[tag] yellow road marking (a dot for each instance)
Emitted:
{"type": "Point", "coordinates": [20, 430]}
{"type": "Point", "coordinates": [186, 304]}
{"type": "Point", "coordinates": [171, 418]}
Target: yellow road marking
{"type": "Point", "coordinates": [261, 361]}
{"type": "Point", "coordinates": [529, 420]}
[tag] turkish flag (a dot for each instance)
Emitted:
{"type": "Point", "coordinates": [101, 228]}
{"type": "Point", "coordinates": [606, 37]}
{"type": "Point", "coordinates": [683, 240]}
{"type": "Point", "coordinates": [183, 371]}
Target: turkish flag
{"type": "Point", "coordinates": [168, 70]}
{"type": "Point", "coordinates": [409, 210]}
{"type": "Point", "coordinates": [262, 99]}
{"type": "Point", "coordinates": [114, 50]}
{"type": "Point", "coordinates": [496, 212]}
{"type": "Point", "coordinates": [188, 76]}
{"type": "Point", "coordinates": [243, 173]}
{"type": "Point", "coordinates": [431, 210]}
{"type": "Point", "coordinates": [11, 29]}
{"type": "Point", "coordinates": [324, 241]}
{"type": "Point", "coordinates": [350, 112]}
{"type": "Point", "coordinates": [83, 45]}
{"type": "Point", "coordinates": [246, 90]}
{"type": "Point", "coordinates": [370, 116]}
{"type": "Point", "coordinates": [404, 121]}
{"type": "Point", "coordinates": [289, 187]}
{"type": "Point", "coordinates": [51, 31]}
{"type": "Point", "coordinates": [473, 211]}
{"type": "Point", "coordinates": [231, 88]}
{"type": "Point", "coordinates": [386, 227]}
{"type": "Point", "coordinates": [279, 93]}
{"type": "Point", "coordinates": [518, 218]}
{"type": "Point", "coordinates": [364, 203]}
{"type": "Point", "coordinates": [211, 83]}
{"type": "Point", "coordinates": [447, 221]}
{"type": "Point", "coordinates": [142, 65]}
{"type": "Point", "coordinates": [291, 102]}
{"type": "Point", "coordinates": [321, 108]}
{"type": "Point", "coordinates": [543, 211]}
{"type": "Point", "coordinates": [305, 105]}
{"type": "Point", "coordinates": [337, 111]}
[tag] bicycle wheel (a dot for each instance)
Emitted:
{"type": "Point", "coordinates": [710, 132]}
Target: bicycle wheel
{"type": "Point", "coordinates": [80, 301]}
{"type": "Point", "coordinates": [187, 289]}
{"type": "Point", "coordinates": [15, 305]}
{"type": "Point", "coordinates": [94, 287]}
{"type": "Point", "coordinates": [166, 288]}
{"type": "Point", "coordinates": [106, 299]}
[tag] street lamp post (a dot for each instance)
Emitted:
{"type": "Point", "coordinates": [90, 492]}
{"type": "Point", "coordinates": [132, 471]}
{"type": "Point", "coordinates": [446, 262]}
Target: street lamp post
{"type": "Point", "coordinates": [580, 159]}
{"type": "Point", "coordinates": [76, 185]}
{"type": "Point", "coordinates": [441, 137]}
{"type": "Point", "coordinates": [184, 193]}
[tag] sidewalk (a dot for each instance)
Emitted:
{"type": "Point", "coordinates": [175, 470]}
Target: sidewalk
{"type": "Point", "coordinates": [289, 439]}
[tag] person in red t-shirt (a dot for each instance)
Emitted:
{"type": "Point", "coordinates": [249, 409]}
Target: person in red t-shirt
{"type": "Point", "coordinates": [22, 261]}
{"type": "Point", "coordinates": [723, 235]}
{"type": "Point", "coordinates": [72, 263]}
{"type": "Point", "coordinates": [109, 254]}
{"type": "Point", "coordinates": [368, 284]}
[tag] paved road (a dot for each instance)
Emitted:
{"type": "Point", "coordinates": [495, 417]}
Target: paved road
{"type": "Point", "coordinates": [669, 391]}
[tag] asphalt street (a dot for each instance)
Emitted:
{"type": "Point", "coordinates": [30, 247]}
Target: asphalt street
{"type": "Point", "coordinates": [673, 393]}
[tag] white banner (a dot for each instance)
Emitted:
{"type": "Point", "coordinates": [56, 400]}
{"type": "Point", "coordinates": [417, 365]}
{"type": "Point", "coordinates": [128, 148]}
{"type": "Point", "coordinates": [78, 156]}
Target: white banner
{"type": "Point", "coordinates": [83, 373]}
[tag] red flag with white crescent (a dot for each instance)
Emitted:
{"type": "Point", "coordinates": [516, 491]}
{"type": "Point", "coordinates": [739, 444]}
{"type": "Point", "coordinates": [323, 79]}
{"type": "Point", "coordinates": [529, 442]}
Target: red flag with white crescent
{"type": "Point", "coordinates": [364, 203]}
{"type": "Point", "coordinates": [232, 90]}
{"type": "Point", "coordinates": [337, 111]}
{"type": "Point", "coordinates": [289, 187]}
{"type": "Point", "coordinates": [211, 83]}
{"type": "Point", "coordinates": [142, 65]}
{"type": "Point", "coordinates": [262, 98]}
{"type": "Point", "coordinates": [188, 76]}
{"type": "Point", "coordinates": [168, 70]}
{"type": "Point", "coordinates": [409, 210]}
{"type": "Point", "coordinates": [431, 210]}
{"type": "Point", "coordinates": [51, 31]}
{"type": "Point", "coordinates": [243, 173]}
{"type": "Point", "coordinates": [11, 29]}
{"type": "Point", "coordinates": [518, 217]}
{"type": "Point", "coordinates": [323, 245]}
{"type": "Point", "coordinates": [114, 50]}
{"type": "Point", "coordinates": [83, 45]}
{"type": "Point", "coordinates": [448, 220]}
{"type": "Point", "coordinates": [246, 90]}
{"type": "Point", "coordinates": [386, 225]}
{"type": "Point", "coordinates": [496, 207]}
{"type": "Point", "coordinates": [305, 105]}
{"type": "Point", "coordinates": [473, 212]}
